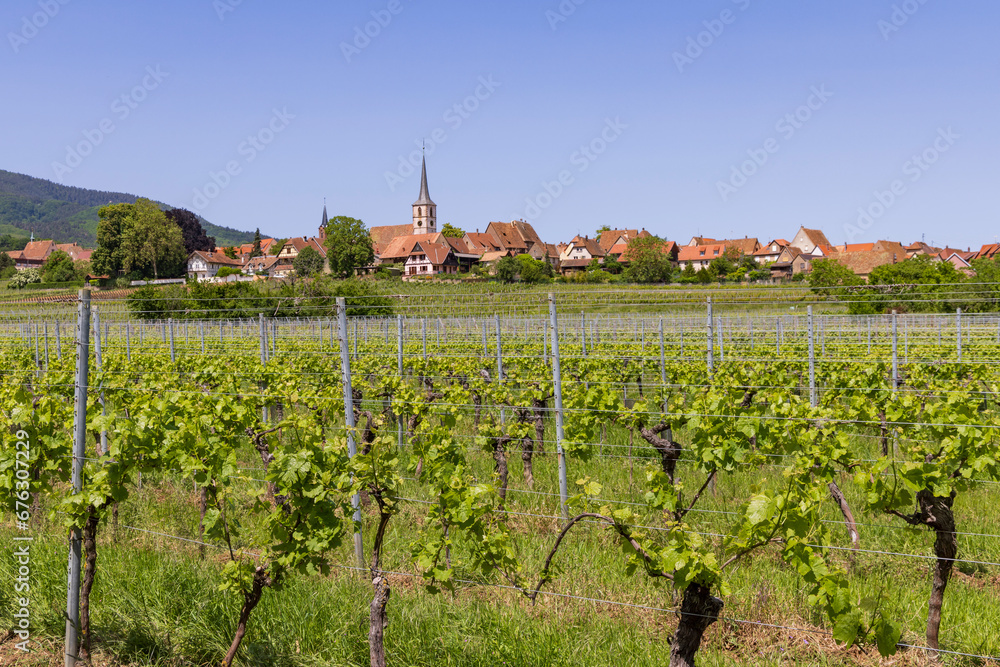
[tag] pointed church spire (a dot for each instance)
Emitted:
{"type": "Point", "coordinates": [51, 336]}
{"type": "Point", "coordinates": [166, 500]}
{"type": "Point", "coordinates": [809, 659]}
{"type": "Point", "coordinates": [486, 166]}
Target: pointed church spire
{"type": "Point", "coordinates": [425, 197]}
{"type": "Point", "coordinates": [325, 218]}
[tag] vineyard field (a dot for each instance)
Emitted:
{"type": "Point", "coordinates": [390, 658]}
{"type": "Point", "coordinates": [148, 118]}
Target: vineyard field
{"type": "Point", "coordinates": [715, 485]}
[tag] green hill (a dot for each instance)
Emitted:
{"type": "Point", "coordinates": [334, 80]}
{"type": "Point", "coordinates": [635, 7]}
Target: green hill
{"type": "Point", "coordinates": [67, 214]}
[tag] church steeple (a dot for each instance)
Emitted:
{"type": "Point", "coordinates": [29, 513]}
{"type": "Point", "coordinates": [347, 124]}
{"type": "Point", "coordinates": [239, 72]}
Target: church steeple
{"type": "Point", "coordinates": [424, 209]}
{"type": "Point", "coordinates": [322, 225]}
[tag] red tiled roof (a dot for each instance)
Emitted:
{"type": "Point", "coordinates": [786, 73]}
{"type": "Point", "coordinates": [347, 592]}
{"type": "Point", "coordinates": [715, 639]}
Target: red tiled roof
{"type": "Point", "coordinates": [611, 238]}
{"type": "Point", "coordinates": [382, 236]}
{"type": "Point", "coordinates": [38, 250]}
{"type": "Point", "coordinates": [701, 253]}
{"type": "Point", "coordinates": [437, 253]}
{"type": "Point", "coordinates": [217, 258]}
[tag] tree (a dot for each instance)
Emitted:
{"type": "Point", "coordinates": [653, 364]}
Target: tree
{"type": "Point", "coordinates": [192, 231]}
{"type": "Point", "coordinates": [58, 268]}
{"type": "Point", "coordinates": [688, 275]}
{"type": "Point", "coordinates": [308, 263]}
{"type": "Point", "coordinates": [348, 246]}
{"type": "Point", "coordinates": [703, 276]}
{"type": "Point", "coordinates": [601, 230]}
{"type": "Point", "coordinates": [107, 257]}
{"type": "Point", "coordinates": [507, 270]}
{"type": "Point", "coordinates": [151, 243]}
{"type": "Point", "coordinates": [648, 263]}
{"type": "Point", "coordinates": [612, 265]}
{"type": "Point", "coordinates": [531, 270]}
{"type": "Point", "coordinates": [11, 242]}
{"type": "Point", "coordinates": [228, 271]}
{"type": "Point", "coordinates": [277, 246]}
{"type": "Point", "coordinates": [256, 252]}
{"type": "Point", "coordinates": [451, 231]}
{"type": "Point", "coordinates": [230, 252]}
{"type": "Point", "coordinates": [828, 275]}
{"type": "Point", "coordinates": [138, 238]}
{"type": "Point", "coordinates": [7, 266]}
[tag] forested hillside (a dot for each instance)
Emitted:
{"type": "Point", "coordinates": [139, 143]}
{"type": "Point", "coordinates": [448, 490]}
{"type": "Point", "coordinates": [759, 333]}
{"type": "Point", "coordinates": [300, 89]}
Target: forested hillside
{"type": "Point", "coordinates": [68, 214]}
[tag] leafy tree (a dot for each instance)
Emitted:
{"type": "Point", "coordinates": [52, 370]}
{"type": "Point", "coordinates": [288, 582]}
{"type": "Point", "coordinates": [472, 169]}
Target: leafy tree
{"type": "Point", "coordinates": [602, 229]}
{"type": "Point", "coordinates": [612, 265]}
{"type": "Point", "coordinates": [82, 268]}
{"type": "Point", "coordinates": [688, 274]}
{"type": "Point", "coordinates": [920, 284]}
{"type": "Point", "coordinates": [703, 276]}
{"type": "Point", "coordinates": [451, 231]}
{"type": "Point", "coordinates": [228, 271]}
{"type": "Point", "coordinates": [721, 267]}
{"type": "Point", "coordinates": [828, 276]}
{"type": "Point", "coordinates": [230, 252]}
{"type": "Point", "coordinates": [531, 270]}
{"type": "Point", "coordinates": [348, 246]}
{"type": "Point", "coordinates": [113, 220]}
{"type": "Point", "coordinates": [595, 265]}
{"type": "Point", "coordinates": [507, 270]}
{"type": "Point", "coordinates": [648, 263]}
{"type": "Point", "coordinates": [138, 238]}
{"type": "Point", "coordinates": [152, 243]}
{"type": "Point", "coordinates": [256, 252]}
{"type": "Point", "coordinates": [11, 242]}
{"type": "Point", "coordinates": [194, 234]}
{"type": "Point", "coordinates": [6, 263]}
{"type": "Point", "coordinates": [308, 262]}
{"type": "Point", "coordinates": [277, 246]}
{"type": "Point", "coordinates": [58, 268]}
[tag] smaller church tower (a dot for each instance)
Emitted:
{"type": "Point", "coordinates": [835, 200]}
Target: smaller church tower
{"type": "Point", "coordinates": [322, 225]}
{"type": "Point", "coordinates": [424, 210]}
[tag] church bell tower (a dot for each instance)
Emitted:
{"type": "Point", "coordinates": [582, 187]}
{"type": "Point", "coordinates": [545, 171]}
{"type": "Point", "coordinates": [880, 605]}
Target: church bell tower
{"type": "Point", "coordinates": [424, 210]}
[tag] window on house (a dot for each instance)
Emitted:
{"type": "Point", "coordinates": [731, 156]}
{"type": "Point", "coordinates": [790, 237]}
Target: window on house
{"type": "Point", "coordinates": [716, 252]}
{"type": "Point", "coordinates": [701, 254]}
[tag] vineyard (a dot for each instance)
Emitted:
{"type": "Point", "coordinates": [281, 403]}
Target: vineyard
{"type": "Point", "coordinates": [716, 483]}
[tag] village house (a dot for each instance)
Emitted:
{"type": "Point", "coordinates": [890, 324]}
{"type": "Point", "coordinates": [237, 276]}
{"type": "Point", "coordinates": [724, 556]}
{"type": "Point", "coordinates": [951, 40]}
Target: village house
{"type": "Point", "coordinates": [579, 253]}
{"type": "Point", "coordinates": [33, 256]}
{"type": "Point", "coordinates": [204, 265]}
{"type": "Point", "coordinates": [791, 262]}
{"type": "Point", "coordinates": [811, 242]}
{"type": "Point", "coordinates": [427, 259]}
{"type": "Point", "coordinates": [261, 265]}
{"type": "Point", "coordinates": [699, 256]}
{"type": "Point", "coordinates": [769, 253]}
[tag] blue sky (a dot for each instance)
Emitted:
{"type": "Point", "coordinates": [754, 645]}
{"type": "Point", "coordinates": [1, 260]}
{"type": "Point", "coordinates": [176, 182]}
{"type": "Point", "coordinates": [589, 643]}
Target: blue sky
{"type": "Point", "coordinates": [644, 126]}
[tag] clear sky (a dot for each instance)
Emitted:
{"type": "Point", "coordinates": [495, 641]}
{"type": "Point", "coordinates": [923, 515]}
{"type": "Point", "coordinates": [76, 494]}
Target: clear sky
{"type": "Point", "coordinates": [669, 116]}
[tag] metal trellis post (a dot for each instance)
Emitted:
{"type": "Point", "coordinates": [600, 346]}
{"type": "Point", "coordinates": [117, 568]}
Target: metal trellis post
{"type": "Point", "coordinates": [352, 450]}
